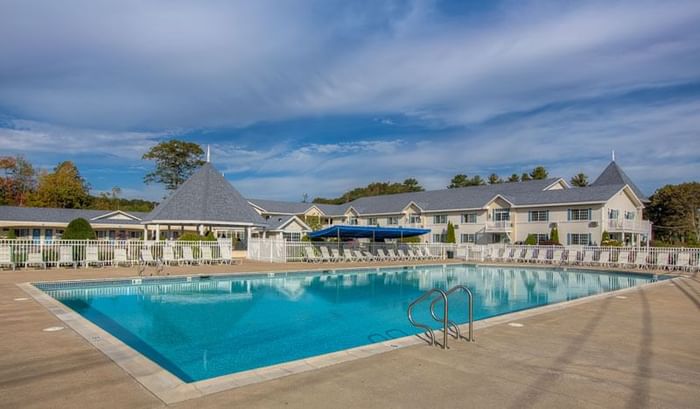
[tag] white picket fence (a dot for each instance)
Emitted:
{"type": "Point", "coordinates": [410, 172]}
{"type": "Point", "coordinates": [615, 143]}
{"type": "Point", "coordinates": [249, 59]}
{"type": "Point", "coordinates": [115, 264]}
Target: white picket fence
{"type": "Point", "coordinates": [665, 258]}
{"type": "Point", "coordinates": [83, 253]}
{"type": "Point", "coordinates": [270, 250]}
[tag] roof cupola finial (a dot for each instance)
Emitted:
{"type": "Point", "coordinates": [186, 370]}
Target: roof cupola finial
{"type": "Point", "coordinates": [613, 155]}
{"type": "Point", "coordinates": [209, 154]}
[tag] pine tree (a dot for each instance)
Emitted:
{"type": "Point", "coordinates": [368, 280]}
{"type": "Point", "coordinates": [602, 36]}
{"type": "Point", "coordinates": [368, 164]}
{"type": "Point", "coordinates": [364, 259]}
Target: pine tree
{"type": "Point", "coordinates": [450, 233]}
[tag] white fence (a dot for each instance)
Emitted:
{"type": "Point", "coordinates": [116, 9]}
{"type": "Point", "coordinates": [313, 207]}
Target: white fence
{"type": "Point", "coordinates": [295, 250]}
{"type": "Point", "coordinates": [272, 250]}
{"type": "Point", "coordinates": [670, 258]}
{"type": "Point", "coordinates": [83, 253]}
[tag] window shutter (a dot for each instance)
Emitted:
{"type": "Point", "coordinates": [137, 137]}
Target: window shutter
{"type": "Point", "coordinates": [529, 216]}
{"type": "Point", "coordinates": [568, 239]}
{"type": "Point", "coordinates": [590, 213]}
{"type": "Point", "coordinates": [589, 239]}
{"type": "Point", "coordinates": [547, 212]}
{"type": "Point", "coordinates": [568, 214]}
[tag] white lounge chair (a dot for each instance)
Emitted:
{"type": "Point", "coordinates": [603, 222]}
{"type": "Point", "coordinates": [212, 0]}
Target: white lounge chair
{"type": "Point", "coordinates": [381, 255]}
{"type": "Point", "coordinates": [120, 258]}
{"type": "Point", "coordinates": [347, 255]}
{"type": "Point", "coordinates": [225, 254]}
{"type": "Point", "coordinates": [359, 256]}
{"type": "Point", "coordinates": [311, 256]}
{"type": "Point", "coordinates": [403, 254]}
{"type": "Point", "coordinates": [603, 258]}
{"type": "Point", "coordinates": [623, 258]}
{"type": "Point", "coordinates": [335, 253]}
{"type": "Point", "coordinates": [205, 255]}
{"type": "Point", "coordinates": [587, 259]}
{"type": "Point", "coordinates": [683, 262]}
{"type": "Point", "coordinates": [92, 256]}
{"type": "Point", "coordinates": [35, 259]}
{"type": "Point", "coordinates": [368, 255]}
{"type": "Point", "coordinates": [556, 257]}
{"type": "Point", "coordinates": [169, 255]}
{"type": "Point", "coordinates": [542, 256]}
{"type": "Point", "coordinates": [6, 257]}
{"type": "Point", "coordinates": [429, 254]}
{"type": "Point", "coordinates": [325, 255]}
{"type": "Point", "coordinates": [525, 255]}
{"type": "Point", "coordinates": [640, 259]}
{"type": "Point", "coordinates": [187, 256]}
{"type": "Point", "coordinates": [392, 255]}
{"type": "Point", "coordinates": [662, 261]}
{"type": "Point", "coordinates": [508, 256]}
{"type": "Point", "coordinates": [146, 258]}
{"type": "Point", "coordinates": [412, 254]}
{"type": "Point", "coordinates": [65, 256]}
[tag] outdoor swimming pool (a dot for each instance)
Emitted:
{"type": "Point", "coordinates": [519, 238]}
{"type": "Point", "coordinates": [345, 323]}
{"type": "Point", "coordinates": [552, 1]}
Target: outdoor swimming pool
{"type": "Point", "coordinates": [203, 327]}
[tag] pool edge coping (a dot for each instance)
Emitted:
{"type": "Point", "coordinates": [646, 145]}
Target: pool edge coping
{"type": "Point", "coordinates": [171, 389]}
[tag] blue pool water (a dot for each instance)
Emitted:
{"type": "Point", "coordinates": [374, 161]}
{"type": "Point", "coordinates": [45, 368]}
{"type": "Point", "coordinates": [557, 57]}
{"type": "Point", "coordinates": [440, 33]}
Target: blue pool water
{"type": "Point", "coordinates": [219, 325]}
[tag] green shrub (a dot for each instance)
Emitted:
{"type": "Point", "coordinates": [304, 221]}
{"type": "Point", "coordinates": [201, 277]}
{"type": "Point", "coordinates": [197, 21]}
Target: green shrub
{"type": "Point", "coordinates": [11, 235]}
{"type": "Point", "coordinates": [196, 237]}
{"type": "Point", "coordinates": [450, 233]}
{"type": "Point", "coordinates": [606, 241]}
{"type": "Point", "coordinates": [531, 240]}
{"type": "Point", "coordinates": [554, 235]}
{"type": "Point", "coordinates": [79, 229]}
{"type": "Point", "coordinates": [414, 239]}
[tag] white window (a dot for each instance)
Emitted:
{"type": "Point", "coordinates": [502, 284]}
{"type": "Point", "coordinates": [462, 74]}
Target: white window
{"type": "Point", "coordinates": [468, 238]}
{"type": "Point", "coordinates": [629, 215]}
{"type": "Point", "coordinates": [372, 221]}
{"type": "Point", "coordinates": [440, 238]}
{"type": "Point", "coordinates": [469, 218]}
{"type": "Point", "coordinates": [440, 219]}
{"type": "Point", "coordinates": [414, 219]}
{"type": "Point", "coordinates": [294, 236]}
{"type": "Point", "coordinates": [392, 220]}
{"type": "Point", "coordinates": [538, 215]}
{"type": "Point", "coordinates": [353, 221]}
{"type": "Point", "coordinates": [500, 215]}
{"type": "Point", "coordinates": [613, 214]}
{"type": "Point", "coordinates": [578, 239]}
{"type": "Point", "coordinates": [579, 214]}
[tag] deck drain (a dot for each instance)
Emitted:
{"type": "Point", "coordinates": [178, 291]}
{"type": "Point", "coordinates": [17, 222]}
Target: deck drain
{"type": "Point", "coordinates": [53, 329]}
{"type": "Point", "coordinates": [515, 324]}
{"type": "Point", "coordinates": [21, 299]}
{"type": "Point", "coordinates": [621, 297]}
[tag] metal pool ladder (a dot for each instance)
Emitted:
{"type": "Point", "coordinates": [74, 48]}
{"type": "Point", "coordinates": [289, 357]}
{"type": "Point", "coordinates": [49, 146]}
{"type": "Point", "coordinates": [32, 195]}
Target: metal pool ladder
{"type": "Point", "coordinates": [446, 323]}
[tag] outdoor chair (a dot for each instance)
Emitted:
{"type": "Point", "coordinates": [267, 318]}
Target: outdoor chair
{"type": "Point", "coordinates": [604, 258]}
{"type": "Point", "coordinates": [146, 258]}
{"type": "Point", "coordinates": [65, 256]}
{"type": "Point", "coordinates": [359, 256]}
{"type": "Point", "coordinates": [92, 256]}
{"type": "Point", "coordinates": [347, 255]}
{"type": "Point", "coordinates": [335, 253]}
{"type": "Point", "coordinates": [662, 261]}
{"type": "Point", "coordinates": [368, 255]}
{"type": "Point", "coordinates": [120, 258]}
{"type": "Point", "coordinates": [683, 262]}
{"type": "Point", "coordinates": [169, 255]}
{"type": "Point", "coordinates": [587, 258]}
{"type": "Point", "coordinates": [623, 258]}
{"type": "Point", "coordinates": [403, 254]}
{"type": "Point", "coordinates": [556, 257]}
{"type": "Point", "coordinates": [542, 256]}
{"type": "Point", "coordinates": [640, 259]}
{"type": "Point", "coordinates": [381, 255]}
{"type": "Point", "coordinates": [35, 259]}
{"type": "Point", "coordinates": [6, 257]}
{"type": "Point", "coordinates": [325, 255]}
{"type": "Point", "coordinates": [205, 255]}
{"type": "Point", "coordinates": [187, 256]}
{"type": "Point", "coordinates": [310, 255]}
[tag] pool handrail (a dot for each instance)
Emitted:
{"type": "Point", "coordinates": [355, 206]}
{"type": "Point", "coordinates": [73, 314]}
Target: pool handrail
{"type": "Point", "coordinates": [427, 329]}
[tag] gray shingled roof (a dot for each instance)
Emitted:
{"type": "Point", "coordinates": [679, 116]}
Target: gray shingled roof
{"type": "Point", "coordinates": [276, 222]}
{"type": "Point", "coordinates": [589, 194]}
{"type": "Point", "coordinates": [615, 176]}
{"type": "Point", "coordinates": [275, 206]}
{"type": "Point", "coordinates": [206, 197]}
{"type": "Point", "coordinates": [52, 215]}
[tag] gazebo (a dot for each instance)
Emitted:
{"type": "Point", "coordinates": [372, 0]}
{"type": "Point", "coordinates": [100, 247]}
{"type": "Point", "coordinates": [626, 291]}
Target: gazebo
{"type": "Point", "coordinates": [205, 202]}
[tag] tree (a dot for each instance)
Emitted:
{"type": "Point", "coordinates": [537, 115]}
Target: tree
{"type": "Point", "coordinates": [460, 180]}
{"type": "Point", "coordinates": [450, 233]}
{"type": "Point", "coordinates": [78, 229]}
{"type": "Point", "coordinates": [554, 235]}
{"type": "Point", "coordinates": [175, 162]}
{"type": "Point", "coordinates": [63, 188]}
{"type": "Point", "coordinates": [673, 210]}
{"type": "Point", "coordinates": [539, 172]}
{"type": "Point", "coordinates": [374, 189]}
{"type": "Point", "coordinates": [525, 177]}
{"type": "Point", "coordinates": [305, 198]}
{"type": "Point", "coordinates": [513, 178]}
{"type": "Point", "coordinates": [17, 181]}
{"type": "Point", "coordinates": [494, 179]}
{"type": "Point", "coordinates": [580, 180]}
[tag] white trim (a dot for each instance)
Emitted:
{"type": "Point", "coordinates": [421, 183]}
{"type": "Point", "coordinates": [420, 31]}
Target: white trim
{"type": "Point", "coordinates": [291, 219]}
{"type": "Point", "coordinates": [207, 222]}
{"type": "Point", "coordinates": [494, 199]}
{"type": "Point", "coordinates": [560, 180]}
{"type": "Point", "coordinates": [102, 216]}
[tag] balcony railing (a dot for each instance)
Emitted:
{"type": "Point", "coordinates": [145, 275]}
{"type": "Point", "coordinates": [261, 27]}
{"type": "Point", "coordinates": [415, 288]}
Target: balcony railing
{"type": "Point", "coordinates": [499, 226]}
{"type": "Point", "coordinates": [641, 226]}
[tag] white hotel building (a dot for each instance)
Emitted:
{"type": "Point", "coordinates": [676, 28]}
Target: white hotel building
{"type": "Point", "coordinates": [506, 212]}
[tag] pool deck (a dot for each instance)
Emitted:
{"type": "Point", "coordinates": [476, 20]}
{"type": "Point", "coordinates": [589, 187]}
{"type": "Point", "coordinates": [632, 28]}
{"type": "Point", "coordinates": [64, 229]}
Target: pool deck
{"type": "Point", "coordinates": [639, 349]}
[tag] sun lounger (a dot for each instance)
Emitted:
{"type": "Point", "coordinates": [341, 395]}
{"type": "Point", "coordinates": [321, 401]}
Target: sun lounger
{"type": "Point", "coordinates": [6, 257]}
{"type": "Point", "coordinates": [623, 258]}
{"type": "Point", "coordinates": [35, 259]}
{"type": "Point", "coordinates": [335, 253]}
{"type": "Point", "coordinates": [65, 256]}
{"type": "Point", "coordinates": [412, 254]}
{"type": "Point", "coordinates": [662, 261]}
{"type": "Point", "coordinates": [311, 256]}
{"type": "Point", "coordinates": [92, 257]}
{"type": "Point", "coordinates": [556, 257]}
{"type": "Point", "coordinates": [402, 254]}
{"type": "Point", "coordinates": [542, 256]}
{"type": "Point", "coordinates": [120, 258]}
{"type": "Point", "coordinates": [683, 262]}
{"type": "Point", "coordinates": [188, 256]}
{"type": "Point", "coordinates": [359, 256]}
{"type": "Point", "coordinates": [587, 259]}
{"type": "Point", "coordinates": [146, 258]}
{"type": "Point", "coordinates": [640, 259]}
{"type": "Point", "coordinates": [169, 255]}
{"type": "Point", "coordinates": [525, 255]}
{"type": "Point", "coordinates": [347, 255]}
{"type": "Point", "coordinates": [225, 254]}
{"type": "Point", "coordinates": [325, 255]}
{"type": "Point", "coordinates": [368, 255]}
{"type": "Point", "coordinates": [205, 255]}
{"type": "Point", "coordinates": [603, 258]}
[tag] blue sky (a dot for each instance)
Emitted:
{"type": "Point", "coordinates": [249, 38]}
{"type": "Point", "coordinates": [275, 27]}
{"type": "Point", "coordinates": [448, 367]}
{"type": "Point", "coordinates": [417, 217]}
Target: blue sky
{"type": "Point", "coordinates": [321, 96]}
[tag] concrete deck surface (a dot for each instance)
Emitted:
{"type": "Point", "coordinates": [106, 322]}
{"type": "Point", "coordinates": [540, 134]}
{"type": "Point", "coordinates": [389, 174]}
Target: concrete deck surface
{"type": "Point", "coordinates": [634, 352]}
